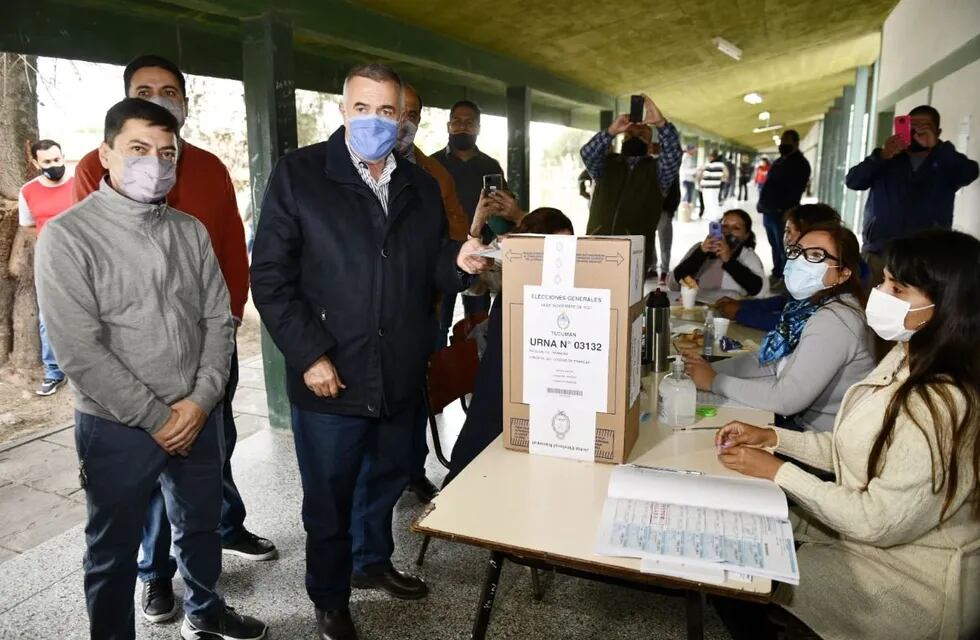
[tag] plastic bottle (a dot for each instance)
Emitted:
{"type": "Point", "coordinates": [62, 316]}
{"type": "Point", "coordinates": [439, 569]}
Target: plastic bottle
{"type": "Point", "coordinates": [709, 333]}
{"type": "Point", "coordinates": [677, 397]}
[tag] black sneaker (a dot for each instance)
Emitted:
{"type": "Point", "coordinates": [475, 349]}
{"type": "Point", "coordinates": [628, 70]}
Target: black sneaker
{"type": "Point", "coordinates": [158, 601]}
{"type": "Point", "coordinates": [249, 546]}
{"type": "Point", "coordinates": [48, 386]}
{"type": "Point", "coordinates": [227, 625]}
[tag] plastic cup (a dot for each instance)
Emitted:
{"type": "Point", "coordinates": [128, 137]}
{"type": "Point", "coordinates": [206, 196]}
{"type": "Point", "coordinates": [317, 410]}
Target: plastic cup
{"type": "Point", "coordinates": [688, 297]}
{"type": "Point", "coordinates": [721, 327]}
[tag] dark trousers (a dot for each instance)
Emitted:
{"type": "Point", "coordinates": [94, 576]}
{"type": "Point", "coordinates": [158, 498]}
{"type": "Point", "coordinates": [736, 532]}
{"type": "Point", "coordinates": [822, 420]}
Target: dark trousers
{"type": "Point", "coordinates": [156, 561]}
{"type": "Point", "coordinates": [743, 189]}
{"type": "Point", "coordinates": [774, 231]}
{"type": "Point", "coordinates": [123, 466]}
{"type": "Point", "coordinates": [700, 203]}
{"type": "Point", "coordinates": [353, 471]}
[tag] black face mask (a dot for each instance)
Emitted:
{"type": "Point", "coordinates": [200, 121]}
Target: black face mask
{"type": "Point", "coordinates": [915, 146]}
{"type": "Point", "coordinates": [635, 147]}
{"type": "Point", "coordinates": [462, 141]}
{"type": "Point", "coordinates": [732, 241]}
{"type": "Point", "coordinates": [786, 149]}
{"type": "Point", "coordinates": [54, 172]}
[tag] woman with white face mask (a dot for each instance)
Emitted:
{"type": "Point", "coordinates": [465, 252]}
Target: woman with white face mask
{"type": "Point", "coordinates": [891, 548]}
{"type": "Point", "coordinates": [820, 345]}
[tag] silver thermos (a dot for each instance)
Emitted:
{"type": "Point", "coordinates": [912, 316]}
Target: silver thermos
{"type": "Point", "coordinates": [656, 333]}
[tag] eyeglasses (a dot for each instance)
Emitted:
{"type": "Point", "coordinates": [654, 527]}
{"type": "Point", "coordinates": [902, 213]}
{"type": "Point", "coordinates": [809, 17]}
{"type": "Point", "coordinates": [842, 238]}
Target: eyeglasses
{"type": "Point", "coordinates": [810, 254]}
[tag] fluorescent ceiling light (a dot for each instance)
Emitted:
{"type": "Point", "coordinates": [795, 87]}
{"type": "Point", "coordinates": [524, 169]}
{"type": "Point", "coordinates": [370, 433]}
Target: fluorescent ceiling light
{"type": "Point", "coordinates": [728, 48]}
{"type": "Point", "coordinates": [776, 140]}
{"type": "Point", "coordinates": [753, 98]}
{"type": "Point", "coordinates": [771, 127]}
{"type": "Point", "coordinates": [765, 115]}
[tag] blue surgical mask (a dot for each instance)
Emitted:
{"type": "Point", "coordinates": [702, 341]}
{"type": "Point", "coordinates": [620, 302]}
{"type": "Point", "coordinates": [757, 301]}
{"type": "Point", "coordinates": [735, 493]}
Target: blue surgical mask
{"type": "Point", "coordinates": [803, 279]}
{"type": "Point", "coordinates": [372, 137]}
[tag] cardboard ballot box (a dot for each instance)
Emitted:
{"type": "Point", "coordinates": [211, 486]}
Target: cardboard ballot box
{"type": "Point", "coordinates": [572, 325]}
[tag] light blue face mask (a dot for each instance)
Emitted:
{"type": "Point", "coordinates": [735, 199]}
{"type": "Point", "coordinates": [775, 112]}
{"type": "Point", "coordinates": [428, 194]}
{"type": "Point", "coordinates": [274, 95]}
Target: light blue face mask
{"type": "Point", "coordinates": [372, 137]}
{"type": "Point", "coordinates": [803, 279]}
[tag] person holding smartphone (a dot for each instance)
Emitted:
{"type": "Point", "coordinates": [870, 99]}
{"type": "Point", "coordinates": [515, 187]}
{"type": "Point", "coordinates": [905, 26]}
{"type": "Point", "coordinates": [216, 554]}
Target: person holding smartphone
{"type": "Point", "coordinates": [912, 184]}
{"type": "Point", "coordinates": [725, 259]}
{"type": "Point", "coordinates": [630, 186]}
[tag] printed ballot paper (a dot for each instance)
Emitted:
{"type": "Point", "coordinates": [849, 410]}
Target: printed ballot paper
{"type": "Point", "coordinates": [698, 527]}
{"type": "Point", "coordinates": [570, 337]}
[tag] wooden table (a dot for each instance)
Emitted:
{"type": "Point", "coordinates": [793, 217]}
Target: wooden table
{"type": "Point", "coordinates": [544, 512]}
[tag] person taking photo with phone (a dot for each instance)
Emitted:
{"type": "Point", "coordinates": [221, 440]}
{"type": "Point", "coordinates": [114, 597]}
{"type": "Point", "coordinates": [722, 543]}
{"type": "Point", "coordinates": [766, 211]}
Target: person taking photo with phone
{"type": "Point", "coordinates": [725, 259]}
{"type": "Point", "coordinates": [630, 186]}
{"type": "Point", "coordinates": [912, 185]}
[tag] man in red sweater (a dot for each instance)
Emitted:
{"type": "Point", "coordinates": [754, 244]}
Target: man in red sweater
{"type": "Point", "coordinates": [203, 190]}
{"type": "Point", "coordinates": [41, 199]}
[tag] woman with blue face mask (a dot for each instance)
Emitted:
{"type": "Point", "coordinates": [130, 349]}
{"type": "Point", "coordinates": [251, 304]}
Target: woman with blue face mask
{"type": "Point", "coordinates": [891, 547]}
{"type": "Point", "coordinates": [820, 345]}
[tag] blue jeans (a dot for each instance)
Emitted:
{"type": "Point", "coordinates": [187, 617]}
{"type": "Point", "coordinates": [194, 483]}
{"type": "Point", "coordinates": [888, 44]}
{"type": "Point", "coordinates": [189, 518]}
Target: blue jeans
{"type": "Point", "coordinates": [353, 471]}
{"type": "Point", "coordinates": [124, 466]}
{"type": "Point", "coordinates": [689, 191]}
{"type": "Point", "coordinates": [51, 370]}
{"type": "Point", "coordinates": [774, 231]}
{"type": "Point", "coordinates": [156, 562]}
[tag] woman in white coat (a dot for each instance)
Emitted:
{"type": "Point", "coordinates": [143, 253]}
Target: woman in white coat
{"type": "Point", "coordinates": [890, 548]}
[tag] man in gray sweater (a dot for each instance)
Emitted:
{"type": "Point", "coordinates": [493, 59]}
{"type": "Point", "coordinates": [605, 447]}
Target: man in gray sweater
{"type": "Point", "coordinates": [142, 328]}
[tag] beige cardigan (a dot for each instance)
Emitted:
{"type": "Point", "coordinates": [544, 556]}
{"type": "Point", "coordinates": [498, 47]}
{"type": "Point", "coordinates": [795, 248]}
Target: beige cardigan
{"type": "Point", "coordinates": [875, 560]}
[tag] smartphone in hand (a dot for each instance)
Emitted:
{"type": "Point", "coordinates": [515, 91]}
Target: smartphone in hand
{"type": "Point", "coordinates": [714, 230]}
{"type": "Point", "coordinates": [636, 108]}
{"type": "Point", "coordinates": [493, 182]}
{"type": "Point", "coordinates": [903, 128]}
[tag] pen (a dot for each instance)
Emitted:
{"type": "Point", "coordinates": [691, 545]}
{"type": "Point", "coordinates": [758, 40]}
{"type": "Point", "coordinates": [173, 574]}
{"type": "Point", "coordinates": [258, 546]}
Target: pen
{"type": "Point", "coordinates": [687, 472]}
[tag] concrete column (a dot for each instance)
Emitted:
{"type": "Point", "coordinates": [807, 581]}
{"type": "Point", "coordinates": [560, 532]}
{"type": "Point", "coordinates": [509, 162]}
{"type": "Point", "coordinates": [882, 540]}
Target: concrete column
{"type": "Point", "coordinates": [270, 114]}
{"type": "Point", "coordinates": [519, 144]}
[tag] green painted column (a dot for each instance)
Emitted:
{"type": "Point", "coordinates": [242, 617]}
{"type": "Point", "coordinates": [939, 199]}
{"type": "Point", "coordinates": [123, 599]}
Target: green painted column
{"type": "Point", "coordinates": [857, 142]}
{"type": "Point", "coordinates": [519, 144]}
{"type": "Point", "coordinates": [605, 118]}
{"type": "Point", "coordinates": [270, 114]}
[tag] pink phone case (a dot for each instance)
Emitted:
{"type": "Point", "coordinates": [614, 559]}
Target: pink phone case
{"type": "Point", "coordinates": [903, 128]}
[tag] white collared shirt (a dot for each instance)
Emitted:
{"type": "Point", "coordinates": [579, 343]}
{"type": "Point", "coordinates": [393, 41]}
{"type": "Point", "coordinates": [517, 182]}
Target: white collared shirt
{"type": "Point", "coordinates": [379, 186]}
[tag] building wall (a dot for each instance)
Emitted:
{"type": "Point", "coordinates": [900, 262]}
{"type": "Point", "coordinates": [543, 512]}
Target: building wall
{"type": "Point", "coordinates": [918, 33]}
{"type": "Point", "coordinates": [919, 38]}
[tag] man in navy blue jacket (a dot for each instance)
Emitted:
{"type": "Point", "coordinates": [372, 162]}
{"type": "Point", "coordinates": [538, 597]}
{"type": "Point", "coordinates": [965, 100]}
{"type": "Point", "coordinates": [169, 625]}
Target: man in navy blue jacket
{"type": "Point", "coordinates": [912, 186]}
{"type": "Point", "coordinates": [351, 247]}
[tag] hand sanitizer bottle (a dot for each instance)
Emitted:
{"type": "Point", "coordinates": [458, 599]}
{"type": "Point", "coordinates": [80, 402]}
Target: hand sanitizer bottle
{"type": "Point", "coordinates": [677, 397]}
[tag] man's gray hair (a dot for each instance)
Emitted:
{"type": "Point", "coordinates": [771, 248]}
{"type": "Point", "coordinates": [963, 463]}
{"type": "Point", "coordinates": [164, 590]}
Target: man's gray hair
{"type": "Point", "coordinates": [379, 73]}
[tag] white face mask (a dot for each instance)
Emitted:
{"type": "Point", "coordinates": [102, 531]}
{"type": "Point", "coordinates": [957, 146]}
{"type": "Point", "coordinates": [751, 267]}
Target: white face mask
{"type": "Point", "coordinates": [175, 107]}
{"type": "Point", "coordinates": [886, 316]}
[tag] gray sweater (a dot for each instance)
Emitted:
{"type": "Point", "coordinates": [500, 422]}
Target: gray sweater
{"type": "Point", "coordinates": [834, 353]}
{"type": "Point", "coordinates": [135, 307]}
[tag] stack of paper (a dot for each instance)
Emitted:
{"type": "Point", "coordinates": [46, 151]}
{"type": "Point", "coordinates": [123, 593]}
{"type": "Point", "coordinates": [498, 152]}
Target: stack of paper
{"type": "Point", "coordinates": [698, 527]}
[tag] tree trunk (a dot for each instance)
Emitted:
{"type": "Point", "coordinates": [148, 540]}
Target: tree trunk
{"type": "Point", "coordinates": [19, 342]}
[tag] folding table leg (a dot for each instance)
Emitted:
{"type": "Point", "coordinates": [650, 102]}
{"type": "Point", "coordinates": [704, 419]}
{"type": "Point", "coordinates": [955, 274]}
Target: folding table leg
{"type": "Point", "coordinates": [425, 547]}
{"type": "Point", "coordinates": [485, 605]}
{"type": "Point", "coordinates": [695, 615]}
{"type": "Point", "coordinates": [536, 584]}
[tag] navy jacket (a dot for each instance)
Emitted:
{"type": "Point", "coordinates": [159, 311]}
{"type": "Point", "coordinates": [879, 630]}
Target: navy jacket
{"type": "Point", "coordinates": [333, 275]}
{"type": "Point", "coordinates": [761, 313]}
{"type": "Point", "coordinates": [903, 201]}
{"type": "Point", "coordinates": [785, 184]}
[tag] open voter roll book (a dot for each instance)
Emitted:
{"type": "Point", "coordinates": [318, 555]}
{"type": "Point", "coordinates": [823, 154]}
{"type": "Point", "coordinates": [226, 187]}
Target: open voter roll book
{"type": "Point", "coordinates": [698, 527]}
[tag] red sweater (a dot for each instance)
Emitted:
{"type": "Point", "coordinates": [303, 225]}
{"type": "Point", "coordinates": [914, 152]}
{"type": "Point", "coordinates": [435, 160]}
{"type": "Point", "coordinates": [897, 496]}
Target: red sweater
{"type": "Point", "coordinates": [203, 190]}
